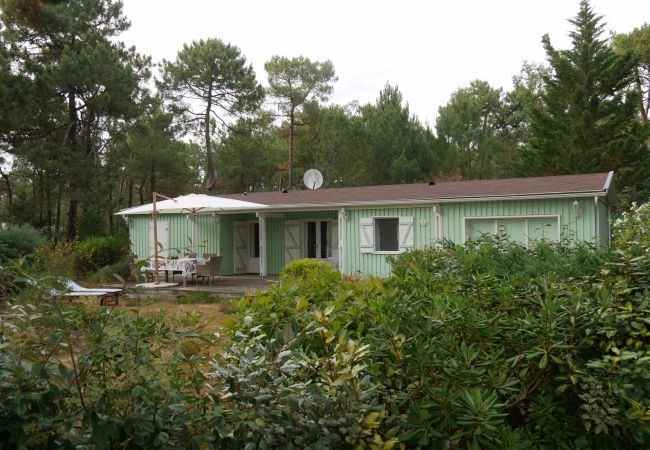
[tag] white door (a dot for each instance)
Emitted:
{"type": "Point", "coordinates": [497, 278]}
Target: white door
{"type": "Point", "coordinates": [253, 265]}
{"type": "Point", "coordinates": [163, 239]}
{"type": "Point", "coordinates": [241, 247]}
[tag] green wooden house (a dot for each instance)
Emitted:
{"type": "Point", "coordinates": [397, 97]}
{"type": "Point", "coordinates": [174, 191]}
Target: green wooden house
{"type": "Point", "coordinates": [355, 229]}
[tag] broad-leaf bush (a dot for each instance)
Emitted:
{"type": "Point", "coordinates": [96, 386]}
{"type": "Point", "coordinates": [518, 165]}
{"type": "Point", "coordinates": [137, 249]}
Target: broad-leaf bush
{"type": "Point", "coordinates": [488, 345]}
{"type": "Point", "coordinates": [78, 259]}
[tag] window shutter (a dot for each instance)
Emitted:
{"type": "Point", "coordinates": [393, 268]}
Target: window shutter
{"type": "Point", "coordinates": [366, 235]}
{"type": "Point", "coordinates": [406, 240]}
{"type": "Point", "coordinates": [292, 245]}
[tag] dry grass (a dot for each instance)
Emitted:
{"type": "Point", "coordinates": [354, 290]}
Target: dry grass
{"type": "Point", "coordinates": [209, 318]}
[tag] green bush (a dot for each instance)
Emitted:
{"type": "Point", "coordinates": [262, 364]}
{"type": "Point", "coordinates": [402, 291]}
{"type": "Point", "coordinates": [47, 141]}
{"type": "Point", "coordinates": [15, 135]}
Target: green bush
{"type": "Point", "coordinates": [79, 259]}
{"type": "Point", "coordinates": [97, 252]}
{"type": "Point", "coordinates": [19, 240]}
{"type": "Point", "coordinates": [490, 345]}
{"type": "Point", "coordinates": [91, 223]}
{"type": "Point", "coordinates": [300, 268]}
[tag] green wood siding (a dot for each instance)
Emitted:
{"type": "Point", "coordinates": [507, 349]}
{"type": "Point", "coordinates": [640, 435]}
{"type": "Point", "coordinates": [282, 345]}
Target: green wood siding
{"type": "Point", "coordinates": [227, 239]}
{"type": "Point", "coordinates": [274, 245]}
{"type": "Point", "coordinates": [216, 233]}
{"type": "Point", "coordinates": [357, 263]}
{"type": "Point", "coordinates": [275, 236]}
{"type": "Point", "coordinates": [603, 224]}
{"type": "Point", "coordinates": [180, 234]}
{"type": "Point", "coordinates": [583, 227]}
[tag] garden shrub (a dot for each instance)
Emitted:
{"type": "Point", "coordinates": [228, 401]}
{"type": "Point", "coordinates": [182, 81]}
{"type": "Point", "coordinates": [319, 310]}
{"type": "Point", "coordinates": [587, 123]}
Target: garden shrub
{"type": "Point", "coordinates": [91, 223]}
{"type": "Point", "coordinates": [489, 345]}
{"type": "Point", "coordinates": [79, 259]}
{"type": "Point", "coordinates": [18, 240]}
{"type": "Point", "coordinates": [97, 252]}
{"type": "Point", "coordinates": [300, 268]}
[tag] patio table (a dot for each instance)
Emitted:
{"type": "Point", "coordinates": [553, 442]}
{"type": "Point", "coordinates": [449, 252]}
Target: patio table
{"type": "Point", "coordinates": [185, 266]}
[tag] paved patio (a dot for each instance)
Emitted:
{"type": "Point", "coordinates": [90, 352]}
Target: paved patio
{"type": "Point", "coordinates": [225, 286]}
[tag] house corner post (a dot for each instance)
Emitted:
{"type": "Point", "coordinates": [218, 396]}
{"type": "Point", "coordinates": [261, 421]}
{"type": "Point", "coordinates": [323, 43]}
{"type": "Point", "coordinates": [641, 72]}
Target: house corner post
{"type": "Point", "coordinates": [262, 222]}
{"type": "Point", "coordinates": [342, 218]}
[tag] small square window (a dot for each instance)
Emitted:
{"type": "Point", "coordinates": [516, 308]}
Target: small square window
{"type": "Point", "coordinates": [386, 234]}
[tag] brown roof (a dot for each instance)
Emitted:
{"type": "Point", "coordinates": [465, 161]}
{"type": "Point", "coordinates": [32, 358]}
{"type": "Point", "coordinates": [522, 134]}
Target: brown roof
{"type": "Point", "coordinates": [593, 183]}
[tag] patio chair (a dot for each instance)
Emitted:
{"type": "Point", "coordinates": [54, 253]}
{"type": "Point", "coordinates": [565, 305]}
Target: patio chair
{"type": "Point", "coordinates": [210, 269]}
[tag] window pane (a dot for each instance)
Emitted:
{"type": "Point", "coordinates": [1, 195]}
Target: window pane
{"type": "Point", "coordinates": [478, 227]}
{"type": "Point", "coordinates": [515, 229]}
{"type": "Point", "coordinates": [542, 229]}
{"type": "Point", "coordinates": [255, 240]}
{"type": "Point", "coordinates": [323, 240]}
{"type": "Point", "coordinates": [386, 234]}
{"type": "Point", "coordinates": [311, 239]}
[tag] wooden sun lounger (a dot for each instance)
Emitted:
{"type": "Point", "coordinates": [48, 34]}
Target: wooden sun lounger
{"type": "Point", "coordinates": [104, 294]}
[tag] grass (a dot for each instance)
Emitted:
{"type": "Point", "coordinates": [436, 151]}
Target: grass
{"type": "Point", "coordinates": [198, 298]}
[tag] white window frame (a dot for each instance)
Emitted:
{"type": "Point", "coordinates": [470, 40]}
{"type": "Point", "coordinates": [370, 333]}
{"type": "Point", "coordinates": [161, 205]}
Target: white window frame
{"type": "Point", "coordinates": [525, 218]}
{"type": "Point", "coordinates": [374, 239]}
{"type": "Point", "coordinates": [303, 235]}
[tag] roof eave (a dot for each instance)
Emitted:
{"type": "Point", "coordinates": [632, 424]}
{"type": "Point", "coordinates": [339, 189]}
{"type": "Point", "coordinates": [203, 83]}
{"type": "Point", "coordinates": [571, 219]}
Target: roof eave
{"type": "Point", "coordinates": [422, 201]}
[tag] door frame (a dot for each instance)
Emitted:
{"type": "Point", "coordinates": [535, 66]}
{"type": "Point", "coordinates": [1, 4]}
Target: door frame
{"type": "Point", "coordinates": [332, 223]}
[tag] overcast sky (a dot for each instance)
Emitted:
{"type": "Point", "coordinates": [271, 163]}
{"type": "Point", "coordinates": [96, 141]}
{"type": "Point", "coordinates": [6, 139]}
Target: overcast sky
{"type": "Point", "coordinates": [427, 48]}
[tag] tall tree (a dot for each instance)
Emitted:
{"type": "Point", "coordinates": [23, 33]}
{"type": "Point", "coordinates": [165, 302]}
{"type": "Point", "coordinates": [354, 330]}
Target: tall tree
{"type": "Point", "coordinates": [398, 148]}
{"type": "Point", "coordinates": [295, 81]}
{"type": "Point", "coordinates": [208, 82]}
{"type": "Point", "coordinates": [469, 125]}
{"type": "Point", "coordinates": [251, 155]}
{"type": "Point", "coordinates": [637, 43]}
{"type": "Point", "coordinates": [588, 118]}
{"type": "Point", "coordinates": [79, 75]}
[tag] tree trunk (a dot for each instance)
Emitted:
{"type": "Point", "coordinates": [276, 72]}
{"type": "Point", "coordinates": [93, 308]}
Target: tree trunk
{"type": "Point", "coordinates": [292, 123]}
{"type": "Point", "coordinates": [48, 198]}
{"type": "Point", "coordinates": [130, 188]}
{"type": "Point", "coordinates": [58, 212]}
{"type": "Point", "coordinates": [41, 196]}
{"type": "Point", "coordinates": [110, 210]}
{"type": "Point", "coordinates": [10, 195]}
{"type": "Point", "coordinates": [72, 146]}
{"type": "Point", "coordinates": [211, 175]}
{"type": "Point", "coordinates": [152, 177]}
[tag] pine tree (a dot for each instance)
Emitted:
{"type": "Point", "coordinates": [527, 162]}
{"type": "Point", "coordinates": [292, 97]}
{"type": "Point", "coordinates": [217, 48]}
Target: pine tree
{"type": "Point", "coordinates": [587, 121]}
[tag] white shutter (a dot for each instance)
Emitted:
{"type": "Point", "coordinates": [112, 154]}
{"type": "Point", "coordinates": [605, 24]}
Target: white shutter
{"type": "Point", "coordinates": [291, 241]}
{"type": "Point", "coordinates": [406, 240]}
{"type": "Point", "coordinates": [366, 235]}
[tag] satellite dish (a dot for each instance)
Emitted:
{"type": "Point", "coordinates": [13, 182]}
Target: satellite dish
{"type": "Point", "coordinates": [313, 179]}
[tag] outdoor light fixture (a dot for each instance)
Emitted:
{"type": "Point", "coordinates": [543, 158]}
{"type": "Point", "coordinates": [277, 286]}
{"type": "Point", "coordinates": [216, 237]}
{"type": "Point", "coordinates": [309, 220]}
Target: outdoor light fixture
{"type": "Point", "coordinates": [576, 208]}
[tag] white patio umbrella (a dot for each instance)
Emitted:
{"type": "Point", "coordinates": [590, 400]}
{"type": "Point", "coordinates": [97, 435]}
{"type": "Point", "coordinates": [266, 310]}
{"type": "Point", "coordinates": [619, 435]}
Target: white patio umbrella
{"type": "Point", "coordinates": [191, 204]}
